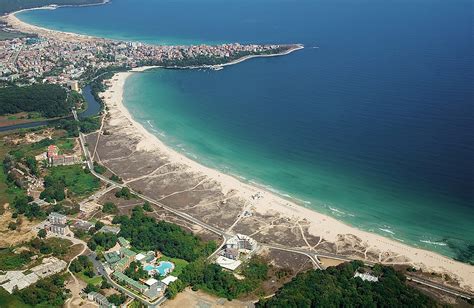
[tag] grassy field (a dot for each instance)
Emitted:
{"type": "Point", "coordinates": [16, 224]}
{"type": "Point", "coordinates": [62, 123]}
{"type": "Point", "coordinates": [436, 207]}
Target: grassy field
{"type": "Point", "coordinates": [7, 193]}
{"type": "Point", "coordinates": [6, 35]}
{"type": "Point", "coordinates": [32, 149]}
{"type": "Point", "coordinates": [59, 246]}
{"type": "Point", "coordinates": [96, 280]}
{"type": "Point", "coordinates": [65, 145]}
{"type": "Point", "coordinates": [179, 264]}
{"type": "Point", "coordinates": [10, 301]}
{"type": "Point", "coordinates": [12, 261]}
{"type": "Point", "coordinates": [77, 181]}
{"type": "Point", "coordinates": [3, 177]}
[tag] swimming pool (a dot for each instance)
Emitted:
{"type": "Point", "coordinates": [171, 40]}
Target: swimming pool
{"type": "Point", "coordinates": [163, 268]}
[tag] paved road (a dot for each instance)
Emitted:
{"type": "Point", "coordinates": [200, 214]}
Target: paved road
{"type": "Point", "coordinates": [441, 287]}
{"type": "Point", "coordinates": [313, 255]}
{"type": "Point", "coordinates": [309, 254]}
{"type": "Point", "coordinates": [101, 271]}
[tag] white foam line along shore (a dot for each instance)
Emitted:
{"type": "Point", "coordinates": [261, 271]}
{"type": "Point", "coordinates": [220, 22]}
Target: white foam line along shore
{"type": "Point", "coordinates": [321, 225]}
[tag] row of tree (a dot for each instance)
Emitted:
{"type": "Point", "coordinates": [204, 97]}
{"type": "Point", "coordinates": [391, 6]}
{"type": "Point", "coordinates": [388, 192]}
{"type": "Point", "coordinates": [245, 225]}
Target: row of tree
{"type": "Point", "coordinates": [73, 127]}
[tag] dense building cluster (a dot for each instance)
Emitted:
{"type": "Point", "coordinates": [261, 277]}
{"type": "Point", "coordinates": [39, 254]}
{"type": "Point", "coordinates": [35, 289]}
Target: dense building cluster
{"type": "Point", "coordinates": [57, 61]}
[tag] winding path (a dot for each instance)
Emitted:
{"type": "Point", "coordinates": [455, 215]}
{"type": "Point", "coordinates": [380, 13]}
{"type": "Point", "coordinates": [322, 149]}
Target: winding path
{"type": "Point", "coordinates": [76, 282]}
{"type": "Point", "coordinates": [310, 253]}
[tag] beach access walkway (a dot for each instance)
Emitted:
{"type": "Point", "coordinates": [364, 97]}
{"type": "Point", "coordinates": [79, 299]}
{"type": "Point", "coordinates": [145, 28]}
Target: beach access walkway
{"type": "Point", "coordinates": [311, 254]}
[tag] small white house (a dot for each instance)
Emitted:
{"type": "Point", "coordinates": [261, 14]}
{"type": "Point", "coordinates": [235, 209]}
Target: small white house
{"type": "Point", "coordinates": [140, 257]}
{"type": "Point", "coordinates": [169, 279]}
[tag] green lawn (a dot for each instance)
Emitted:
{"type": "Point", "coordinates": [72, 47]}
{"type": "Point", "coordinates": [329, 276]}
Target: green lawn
{"type": "Point", "coordinates": [59, 246]}
{"type": "Point", "coordinates": [65, 144]}
{"type": "Point", "coordinates": [32, 149]}
{"type": "Point", "coordinates": [96, 280]}
{"type": "Point", "coordinates": [8, 300]}
{"type": "Point", "coordinates": [179, 264]}
{"type": "Point", "coordinates": [76, 180]}
{"type": "Point", "coordinates": [13, 261]}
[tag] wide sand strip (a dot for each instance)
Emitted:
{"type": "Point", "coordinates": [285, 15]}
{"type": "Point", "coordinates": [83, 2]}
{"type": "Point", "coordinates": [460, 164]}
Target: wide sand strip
{"type": "Point", "coordinates": [21, 26]}
{"type": "Point", "coordinates": [271, 204]}
{"type": "Point", "coordinates": [330, 229]}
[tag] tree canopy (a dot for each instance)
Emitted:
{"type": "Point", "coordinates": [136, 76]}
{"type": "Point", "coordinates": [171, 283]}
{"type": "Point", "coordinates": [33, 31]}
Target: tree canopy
{"type": "Point", "coordinates": [337, 287]}
{"type": "Point", "coordinates": [145, 233]}
{"type": "Point", "coordinates": [102, 239]}
{"type": "Point", "coordinates": [48, 292]}
{"type": "Point", "coordinates": [47, 99]}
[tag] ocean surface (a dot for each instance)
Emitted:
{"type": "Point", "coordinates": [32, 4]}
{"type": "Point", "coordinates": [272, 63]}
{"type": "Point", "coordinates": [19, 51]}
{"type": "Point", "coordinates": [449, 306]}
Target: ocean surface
{"type": "Point", "coordinates": [371, 123]}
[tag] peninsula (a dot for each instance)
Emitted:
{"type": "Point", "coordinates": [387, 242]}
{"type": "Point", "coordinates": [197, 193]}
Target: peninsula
{"type": "Point", "coordinates": [135, 167]}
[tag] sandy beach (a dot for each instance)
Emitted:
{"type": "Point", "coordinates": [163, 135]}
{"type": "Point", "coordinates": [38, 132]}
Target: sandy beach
{"type": "Point", "coordinates": [267, 203]}
{"type": "Point", "coordinates": [313, 230]}
{"type": "Point", "coordinates": [21, 26]}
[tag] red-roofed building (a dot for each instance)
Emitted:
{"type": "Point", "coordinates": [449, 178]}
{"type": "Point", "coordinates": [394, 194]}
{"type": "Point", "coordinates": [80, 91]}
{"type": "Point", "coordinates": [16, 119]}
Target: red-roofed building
{"type": "Point", "coordinates": [53, 151]}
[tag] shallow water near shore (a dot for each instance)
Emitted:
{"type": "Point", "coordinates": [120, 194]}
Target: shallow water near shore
{"type": "Point", "coordinates": [370, 123]}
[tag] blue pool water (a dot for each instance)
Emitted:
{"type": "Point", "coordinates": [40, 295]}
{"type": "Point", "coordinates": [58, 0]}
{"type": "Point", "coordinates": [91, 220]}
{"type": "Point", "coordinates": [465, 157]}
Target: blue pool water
{"type": "Point", "coordinates": [163, 268]}
{"type": "Point", "coordinates": [370, 123]}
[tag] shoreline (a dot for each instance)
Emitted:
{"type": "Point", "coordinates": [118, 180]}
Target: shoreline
{"type": "Point", "coordinates": [16, 23]}
{"type": "Point", "coordinates": [321, 225]}
{"type": "Point", "coordinates": [268, 202]}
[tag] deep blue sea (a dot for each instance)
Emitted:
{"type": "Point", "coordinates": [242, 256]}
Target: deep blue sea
{"type": "Point", "coordinates": [371, 123]}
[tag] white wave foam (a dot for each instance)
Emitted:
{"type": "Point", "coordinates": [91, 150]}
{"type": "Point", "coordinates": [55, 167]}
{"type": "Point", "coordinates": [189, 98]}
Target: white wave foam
{"type": "Point", "coordinates": [387, 230]}
{"type": "Point", "coordinates": [339, 212]}
{"type": "Point", "coordinates": [277, 192]}
{"type": "Point", "coordinates": [433, 243]}
{"type": "Point", "coordinates": [336, 210]}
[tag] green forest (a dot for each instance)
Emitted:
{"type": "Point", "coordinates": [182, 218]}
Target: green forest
{"type": "Point", "coordinates": [48, 292]}
{"type": "Point", "coordinates": [47, 99]}
{"type": "Point", "coordinates": [145, 233]}
{"type": "Point", "coordinates": [213, 279]}
{"type": "Point", "coordinates": [337, 287]}
{"type": "Point", "coordinates": [7, 6]}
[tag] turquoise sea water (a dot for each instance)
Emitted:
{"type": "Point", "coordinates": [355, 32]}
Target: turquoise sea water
{"type": "Point", "coordinates": [372, 122]}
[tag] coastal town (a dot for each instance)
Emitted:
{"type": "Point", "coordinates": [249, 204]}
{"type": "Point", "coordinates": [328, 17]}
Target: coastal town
{"type": "Point", "coordinates": [97, 212]}
{"type": "Point", "coordinates": [48, 58]}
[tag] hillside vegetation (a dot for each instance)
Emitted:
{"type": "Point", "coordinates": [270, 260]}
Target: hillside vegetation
{"type": "Point", "coordinates": [47, 99]}
{"type": "Point", "coordinates": [337, 287]}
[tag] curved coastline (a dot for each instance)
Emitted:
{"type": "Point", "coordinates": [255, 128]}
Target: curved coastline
{"type": "Point", "coordinates": [271, 204]}
{"type": "Point", "coordinates": [22, 26]}
{"type": "Point", "coordinates": [324, 225]}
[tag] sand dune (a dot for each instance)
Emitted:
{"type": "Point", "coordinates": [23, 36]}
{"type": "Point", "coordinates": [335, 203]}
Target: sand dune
{"type": "Point", "coordinates": [267, 203]}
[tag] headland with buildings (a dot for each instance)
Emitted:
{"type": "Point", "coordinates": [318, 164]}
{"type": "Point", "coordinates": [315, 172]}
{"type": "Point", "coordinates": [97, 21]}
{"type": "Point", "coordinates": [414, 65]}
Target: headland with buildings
{"type": "Point", "coordinates": [251, 213]}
